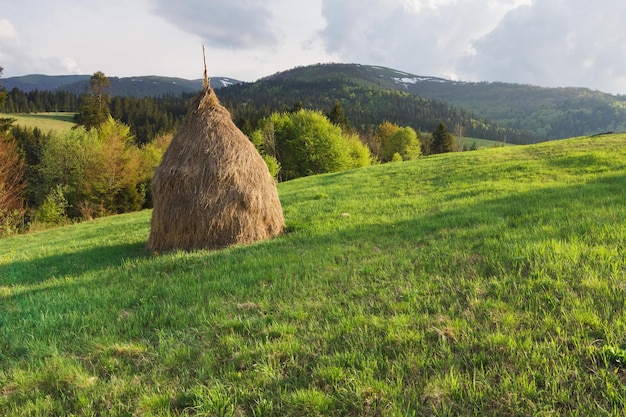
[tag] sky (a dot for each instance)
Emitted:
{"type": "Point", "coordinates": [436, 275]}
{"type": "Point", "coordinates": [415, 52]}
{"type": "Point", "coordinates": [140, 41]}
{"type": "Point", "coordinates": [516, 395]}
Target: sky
{"type": "Point", "coordinates": [551, 43]}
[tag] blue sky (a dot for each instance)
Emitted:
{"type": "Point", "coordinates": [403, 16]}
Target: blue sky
{"type": "Point", "coordinates": [542, 42]}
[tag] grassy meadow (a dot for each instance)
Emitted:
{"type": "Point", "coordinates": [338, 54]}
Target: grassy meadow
{"type": "Point", "coordinates": [485, 283]}
{"type": "Point", "coordinates": [480, 143]}
{"type": "Point", "coordinates": [55, 121]}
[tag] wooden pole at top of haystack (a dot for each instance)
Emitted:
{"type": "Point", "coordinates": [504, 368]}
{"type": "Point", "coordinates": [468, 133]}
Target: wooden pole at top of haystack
{"type": "Point", "coordinates": [206, 81]}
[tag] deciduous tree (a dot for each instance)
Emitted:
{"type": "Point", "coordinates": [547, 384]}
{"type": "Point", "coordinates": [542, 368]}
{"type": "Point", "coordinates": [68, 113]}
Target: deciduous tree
{"type": "Point", "coordinates": [383, 133]}
{"type": "Point", "coordinates": [405, 143]}
{"type": "Point", "coordinates": [64, 161]}
{"type": "Point", "coordinates": [112, 180]}
{"type": "Point", "coordinates": [307, 143]}
{"type": "Point", "coordinates": [11, 186]}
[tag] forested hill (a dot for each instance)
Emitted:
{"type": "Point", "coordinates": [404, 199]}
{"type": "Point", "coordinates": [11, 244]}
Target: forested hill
{"type": "Point", "coordinates": [549, 113]}
{"type": "Point", "coordinates": [365, 104]}
{"type": "Point", "coordinates": [145, 86]}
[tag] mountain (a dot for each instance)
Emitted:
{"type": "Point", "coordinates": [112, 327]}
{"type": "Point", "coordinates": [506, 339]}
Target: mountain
{"type": "Point", "coordinates": [39, 82]}
{"type": "Point", "coordinates": [549, 113]}
{"type": "Point", "coordinates": [144, 86]}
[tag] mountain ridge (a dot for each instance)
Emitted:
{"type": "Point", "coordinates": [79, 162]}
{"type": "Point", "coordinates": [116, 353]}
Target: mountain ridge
{"type": "Point", "coordinates": [137, 86]}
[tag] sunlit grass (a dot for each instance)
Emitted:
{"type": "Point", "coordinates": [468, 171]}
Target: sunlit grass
{"type": "Point", "coordinates": [477, 283]}
{"type": "Point", "coordinates": [52, 121]}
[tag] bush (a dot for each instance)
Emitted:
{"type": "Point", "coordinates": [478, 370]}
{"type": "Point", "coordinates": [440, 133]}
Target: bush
{"type": "Point", "coordinates": [53, 210]}
{"type": "Point", "coordinates": [307, 143]}
{"type": "Point", "coordinates": [403, 142]}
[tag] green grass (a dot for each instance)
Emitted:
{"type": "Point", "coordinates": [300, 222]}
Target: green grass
{"type": "Point", "coordinates": [44, 121]}
{"type": "Point", "coordinates": [481, 143]}
{"type": "Point", "coordinates": [483, 283]}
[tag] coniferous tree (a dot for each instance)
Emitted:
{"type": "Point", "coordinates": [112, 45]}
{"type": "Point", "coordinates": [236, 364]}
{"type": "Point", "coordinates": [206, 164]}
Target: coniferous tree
{"type": "Point", "coordinates": [94, 108]}
{"type": "Point", "coordinates": [5, 123]}
{"type": "Point", "coordinates": [3, 93]}
{"type": "Point", "coordinates": [337, 116]}
{"type": "Point", "coordinates": [297, 106]}
{"type": "Point", "coordinates": [443, 141]}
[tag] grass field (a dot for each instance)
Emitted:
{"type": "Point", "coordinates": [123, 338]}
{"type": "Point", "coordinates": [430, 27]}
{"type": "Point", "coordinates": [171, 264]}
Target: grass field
{"type": "Point", "coordinates": [480, 143]}
{"type": "Point", "coordinates": [488, 283]}
{"type": "Point", "coordinates": [44, 121]}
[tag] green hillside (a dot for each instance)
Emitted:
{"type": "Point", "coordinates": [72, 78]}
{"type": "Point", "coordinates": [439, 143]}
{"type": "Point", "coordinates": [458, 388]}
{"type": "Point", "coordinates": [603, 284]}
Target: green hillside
{"type": "Point", "coordinates": [484, 283]}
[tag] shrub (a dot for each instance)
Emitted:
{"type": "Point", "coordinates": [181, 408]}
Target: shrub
{"type": "Point", "coordinates": [307, 143]}
{"type": "Point", "coordinates": [53, 210]}
{"type": "Point", "coordinates": [403, 142]}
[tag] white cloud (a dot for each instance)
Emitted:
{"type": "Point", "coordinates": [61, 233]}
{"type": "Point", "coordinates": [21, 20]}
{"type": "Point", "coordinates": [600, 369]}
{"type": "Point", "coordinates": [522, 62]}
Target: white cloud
{"type": "Point", "coordinates": [545, 42]}
{"type": "Point", "coordinates": [238, 24]}
{"type": "Point", "coordinates": [556, 43]}
{"type": "Point", "coordinates": [10, 45]}
{"type": "Point", "coordinates": [423, 36]}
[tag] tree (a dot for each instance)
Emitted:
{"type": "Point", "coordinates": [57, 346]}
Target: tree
{"type": "Point", "coordinates": [383, 133]}
{"type": "Point", "coordinates": [112, 181]}
{"type": "Point", "coordinates": [264, 141]}
{"type": "Point", "coordinates": [64, 161]}
{"type": "Point", "coordinates": [404, 143]}
{"type": "Point", "coordinates": [443, 141]}
{"type": "Point", "coordinates": [12, 187]}
{"type": "Point", "coordinates": [337, 117]}
{"type": "Point", "coordinates": [99, 171]}
{"type": "Point", "coordinates": [307, 143]}
{"type": "Point", "coordinates": [3, 93]}
{"type": "Point", "coordinates": [94, 107]}
{"type": "Point", "coordinates": [31, 142]}
{"type": "Point", "coordinates": [5, 123]}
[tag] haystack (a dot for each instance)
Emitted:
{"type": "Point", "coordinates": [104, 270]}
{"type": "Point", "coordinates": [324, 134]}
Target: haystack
{"type": "Point", "coordinates": [212, 188]}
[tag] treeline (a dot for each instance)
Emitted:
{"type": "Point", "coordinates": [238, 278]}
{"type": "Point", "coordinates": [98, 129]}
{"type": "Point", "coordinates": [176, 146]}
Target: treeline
{"type": "Point", "coordinates": [17, 101]}
{"type": "Point", "coordinates": [147, 117]}
{"type": "Point", "coordinates": [150, 117]}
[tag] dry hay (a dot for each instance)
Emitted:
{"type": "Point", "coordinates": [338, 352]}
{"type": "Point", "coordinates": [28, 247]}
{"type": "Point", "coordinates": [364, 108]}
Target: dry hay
{"type": "Point", "coordinates": [212, 188]}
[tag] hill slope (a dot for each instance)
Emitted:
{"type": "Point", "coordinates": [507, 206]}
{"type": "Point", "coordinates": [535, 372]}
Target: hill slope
{"type": "Point", "coordinates": [480, 283]}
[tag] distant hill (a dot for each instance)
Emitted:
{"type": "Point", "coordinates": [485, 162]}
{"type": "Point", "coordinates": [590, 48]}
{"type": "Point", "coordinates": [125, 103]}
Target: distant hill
{"type": "Point", "coordinates": [549, 113]}
{"type": "Point", "coordinates": [39, 82]}
{"type": "Point", "coordinates": [144, 86]}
